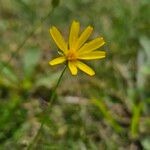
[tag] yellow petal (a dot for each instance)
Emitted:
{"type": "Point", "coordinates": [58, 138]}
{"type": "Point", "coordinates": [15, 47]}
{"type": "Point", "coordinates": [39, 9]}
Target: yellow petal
{"type": "Point", "coordinates": [57, 61]}
{"type": "Point", "coordinates": [74, 31]}
{"type": "Point", "coordinates": [85, 68]}
{"type": "Point", "coordinates": [73, 68]}
{"type": "Point", "coordinates": [92, 55]}
{"type": "Point", "coordinates": [84, 36]}
{"type": "Point", "coordinates": [92, 45]}
{"type": "Point", "coordinates": [59, 40]}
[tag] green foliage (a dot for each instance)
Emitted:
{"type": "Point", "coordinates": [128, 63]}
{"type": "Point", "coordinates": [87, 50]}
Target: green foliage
{"type": "Point", "coordinates": [107, 115]}
{"type": "Point", "coordinates": [146, 143]}
{"type": "Point", "coordinates": [12, 117]}
{"type": "Point", "coordinates": [30, 60]}
{"type": "Point", "coordinates": [135, 120]}
{"type": "Point", "coordinates": [117, 116]}
{"type": "Point", "coordinates": [55, 3]}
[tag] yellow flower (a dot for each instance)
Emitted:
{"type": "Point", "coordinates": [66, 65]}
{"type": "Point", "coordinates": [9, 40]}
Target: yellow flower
{"type": "Point", "coordinates": [76, 49]}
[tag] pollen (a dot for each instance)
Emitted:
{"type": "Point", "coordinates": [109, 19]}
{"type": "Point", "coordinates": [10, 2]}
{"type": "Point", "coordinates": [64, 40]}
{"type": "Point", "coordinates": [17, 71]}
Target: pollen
{"type": "Point", "coordinates": [71, 55]}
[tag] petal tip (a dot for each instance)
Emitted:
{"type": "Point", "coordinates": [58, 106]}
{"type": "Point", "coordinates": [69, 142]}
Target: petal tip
{"type": "Point", "coordinates": [50, 63]}
{"type": "Point", "coordinates": [90, 28]}
{"type": "Point", "coordinates": [51, 30]}
{"type": "Point", "coordinates": [74, 74]}
{"type": "Point", "coordinates": [75, 21]}
{"type": "Point", "coordinates": [92, 74]}
{"type": "Point", "coordinates": [105, 54]}
{"type": "Point", "coordinates": [102, 40]}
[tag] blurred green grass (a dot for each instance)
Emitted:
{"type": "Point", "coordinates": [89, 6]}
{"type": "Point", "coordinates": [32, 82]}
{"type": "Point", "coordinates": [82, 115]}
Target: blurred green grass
{"type": "Point", "coordinates": [117, 118]}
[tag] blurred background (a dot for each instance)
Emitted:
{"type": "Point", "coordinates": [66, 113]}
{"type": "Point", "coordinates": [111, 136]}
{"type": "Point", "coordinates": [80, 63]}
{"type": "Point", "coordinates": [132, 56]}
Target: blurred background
{"type": "Point", "coordinates": [109, 111]}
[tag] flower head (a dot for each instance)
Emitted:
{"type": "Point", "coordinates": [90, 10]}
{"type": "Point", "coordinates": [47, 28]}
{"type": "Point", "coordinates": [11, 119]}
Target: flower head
{"type": "Point", "coordinates": [77, 48]}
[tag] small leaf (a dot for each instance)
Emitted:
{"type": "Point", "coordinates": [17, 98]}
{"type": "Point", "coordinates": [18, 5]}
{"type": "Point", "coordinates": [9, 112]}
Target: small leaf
{"type": "Point", "coordinates": [146, 143]}
{"type": "Point", "coordinates": [135, 120]}
{"type": "Point", "coordinates": [30, 60]}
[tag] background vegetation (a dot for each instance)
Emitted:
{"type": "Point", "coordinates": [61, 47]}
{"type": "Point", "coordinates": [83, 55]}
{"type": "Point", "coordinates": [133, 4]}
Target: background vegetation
{"type": "Point", "coordinates": [109, 111]}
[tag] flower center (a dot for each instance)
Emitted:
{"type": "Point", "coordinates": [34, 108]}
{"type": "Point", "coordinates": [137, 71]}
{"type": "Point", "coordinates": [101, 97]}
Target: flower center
{"type": "Point", "coordinates": [71, 55]}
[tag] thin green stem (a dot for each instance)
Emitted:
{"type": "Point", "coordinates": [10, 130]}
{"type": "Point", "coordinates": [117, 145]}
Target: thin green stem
{"type": "Point", "coordinates": [50, 103]}
{"type": "Point", "coordinates": [57, 84]}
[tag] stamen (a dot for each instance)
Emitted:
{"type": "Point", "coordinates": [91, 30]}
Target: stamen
{"type": "Point", "coordinates": [71, 55]}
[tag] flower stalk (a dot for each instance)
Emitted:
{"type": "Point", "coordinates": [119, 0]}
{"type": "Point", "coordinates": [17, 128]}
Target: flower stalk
{"type": "Point", "coordinates": [50, 103]}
